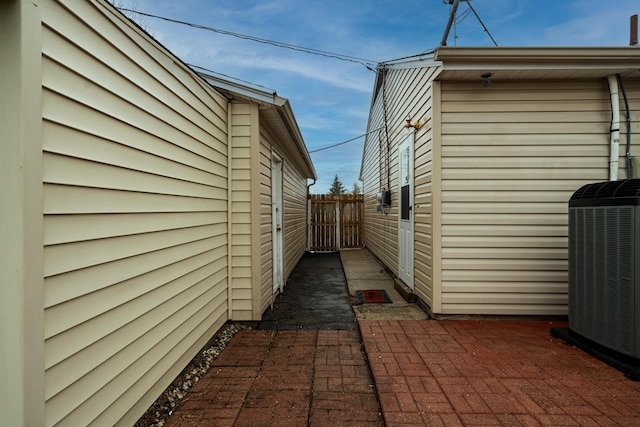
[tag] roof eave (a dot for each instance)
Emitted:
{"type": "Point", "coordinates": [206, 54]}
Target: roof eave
{"type": "Point", "coordinates": [288, 120]}
{"type": "Point", "coordinates": [269, 101]}
{"type": "Point", "coordinates": [594, 61]}
{"type": "Point", "coordinates": [244, 92]}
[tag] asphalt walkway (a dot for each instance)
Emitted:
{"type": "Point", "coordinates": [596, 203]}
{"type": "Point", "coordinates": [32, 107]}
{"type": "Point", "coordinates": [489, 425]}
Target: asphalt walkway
{"type": "Point", "coordinates": [315, 297]}
{"type": "Point", "coordinates": [397, 370]}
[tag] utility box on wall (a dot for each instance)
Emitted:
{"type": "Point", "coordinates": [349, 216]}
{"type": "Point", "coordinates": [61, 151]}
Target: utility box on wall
{"type": "Point", "coordinates": [604, 265]}
{"type": "Point", "coordinates": [384, 200]}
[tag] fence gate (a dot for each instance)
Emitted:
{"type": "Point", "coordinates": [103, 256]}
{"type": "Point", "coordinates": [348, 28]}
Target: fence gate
{"type": "Point", "coordinates": [335, 221]}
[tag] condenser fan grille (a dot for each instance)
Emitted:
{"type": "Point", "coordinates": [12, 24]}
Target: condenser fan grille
{"type": "Point", "coordinates": [603, 284]}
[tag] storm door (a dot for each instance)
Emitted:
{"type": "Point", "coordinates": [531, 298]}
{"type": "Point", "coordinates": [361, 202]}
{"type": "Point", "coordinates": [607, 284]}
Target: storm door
{"type": "Point", "coordinates": [276, 223]}
{"type": "Point", "coordinates": [405, 210]}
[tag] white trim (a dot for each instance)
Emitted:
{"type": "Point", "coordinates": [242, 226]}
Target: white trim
{"type": "Point", "coordinates": [414, 63]}
{"type": "Point", "coordinates": [243, 90]}
{"type": "Point", "coordinates": [275, 110]}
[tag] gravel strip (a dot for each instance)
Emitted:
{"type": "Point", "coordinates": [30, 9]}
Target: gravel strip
{"type": "Point", "coordinates": [171, 398]}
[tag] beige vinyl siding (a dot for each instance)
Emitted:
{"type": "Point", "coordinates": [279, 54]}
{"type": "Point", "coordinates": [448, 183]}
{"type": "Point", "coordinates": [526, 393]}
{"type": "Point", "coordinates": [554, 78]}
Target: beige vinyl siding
{"type": "Point", "coordinates": [265, 223]}
{"type": "Point", "coordinates": [253, 145]}
{"type": "Point", "coordinates": [135, 216]}
{"type": "Point", "coordinates": [21, 223]}
{"type": "Point", "coordinates": [426, 203]}
{"type": "Point", "coordinates": [370, 174]}
{"type": "Point", "coordinates": [512, 155]}
{"type": "Point", "coordinates": [380, 171]}
{"type": "Point", "coordinates": [294, 193]}
{"type": "Point", "coordinates": [373, 173]}
{"type": "Point", "coordinates": [244, 126]}
{"type": "Point", "coordinates": [295, 217]}
{"type": "Point", "coordinates": [408, 93]}
{"type": "Point", "coordinates": [494, 169]}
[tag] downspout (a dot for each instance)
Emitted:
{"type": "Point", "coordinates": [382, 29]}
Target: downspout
{"type": "Point", "coordinates": [229, 216]}
{"type": "Point", "coordinates": [309, 186]}
{"type": "Point", "coordinates": [630, 172]}
{"type": "Point", "coordinates": [309, 215]}
{"type": "Point", "coordinates": [615, 128]}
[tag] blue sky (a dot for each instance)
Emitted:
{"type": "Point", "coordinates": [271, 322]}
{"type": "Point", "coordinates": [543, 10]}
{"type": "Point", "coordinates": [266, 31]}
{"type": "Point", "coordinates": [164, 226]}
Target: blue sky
{"type": "Point", "coordinates": [331, 98]}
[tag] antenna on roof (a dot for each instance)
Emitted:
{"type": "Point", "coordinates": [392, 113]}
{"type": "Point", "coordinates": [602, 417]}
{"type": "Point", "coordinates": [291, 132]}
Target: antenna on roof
{"type": "Point", "coordinates": [452, 17]}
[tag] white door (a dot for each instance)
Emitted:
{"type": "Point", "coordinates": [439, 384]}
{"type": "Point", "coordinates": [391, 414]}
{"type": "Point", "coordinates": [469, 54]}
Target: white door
{"type": "Point", "coordinates": [276, 226]}
{"type": "Point", "coordinates": [405, 210]}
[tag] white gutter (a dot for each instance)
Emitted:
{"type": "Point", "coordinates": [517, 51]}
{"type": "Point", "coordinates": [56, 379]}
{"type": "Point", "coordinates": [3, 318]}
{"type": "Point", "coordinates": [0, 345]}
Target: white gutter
{"type": "Point", "coordinates": [249, 92]}
{"type": "Point", "coordinates": [615, 128]}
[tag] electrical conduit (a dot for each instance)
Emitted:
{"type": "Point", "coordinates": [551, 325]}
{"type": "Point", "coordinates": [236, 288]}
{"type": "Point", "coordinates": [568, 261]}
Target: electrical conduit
{"type": "Point", "coordinates": [615, 128]}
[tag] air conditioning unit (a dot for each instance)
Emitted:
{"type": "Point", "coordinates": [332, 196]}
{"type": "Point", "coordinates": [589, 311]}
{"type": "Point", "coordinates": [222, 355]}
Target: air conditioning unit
{"type": "Point", "coordinates": [604, 265]}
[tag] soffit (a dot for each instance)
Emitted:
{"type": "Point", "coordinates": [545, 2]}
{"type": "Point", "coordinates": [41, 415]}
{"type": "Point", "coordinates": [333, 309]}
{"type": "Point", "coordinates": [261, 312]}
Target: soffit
{"type": "Point", "coordinates": [546, 63]}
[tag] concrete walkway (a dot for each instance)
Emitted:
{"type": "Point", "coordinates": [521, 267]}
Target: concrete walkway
{"type": "Point", "coordinates": [363, 271]}
{"type": "Point", "coordinates": [396, 370]}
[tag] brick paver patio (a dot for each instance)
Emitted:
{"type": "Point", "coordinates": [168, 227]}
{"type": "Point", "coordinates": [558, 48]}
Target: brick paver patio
{"type": "Point", "coordinates": [426, 373]}
{"type": "Point", "coordinates": [300, 372]}
{"type": "Point", "coordinates": [285, 378]}
{"type": "Point", "coordinates": [492, 372]}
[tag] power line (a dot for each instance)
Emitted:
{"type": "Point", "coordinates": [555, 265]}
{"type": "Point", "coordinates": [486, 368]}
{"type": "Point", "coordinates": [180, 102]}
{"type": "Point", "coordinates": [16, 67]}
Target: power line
{"type": "Point", "coordinates": [369, 64]}
{"type": "Point", "coordinates": [337, 171]}
{"type": "Point", "coordinates": [226, 76]}
{"type": "Point", "coordinates": [463, 16]}
{"type": "Point", "coordinates": [343, 142]}
{"type": "Point", "coordinates": [420, 56]}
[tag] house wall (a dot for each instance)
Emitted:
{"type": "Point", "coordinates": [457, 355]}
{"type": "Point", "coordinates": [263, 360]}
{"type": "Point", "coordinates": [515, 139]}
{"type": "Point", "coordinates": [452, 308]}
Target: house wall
{"type": "Point", "coordinates": [494, 169]}
{"type": "Point", "coordinates": [265, 272]}
{"type": "Point", "coordinates": [378, 231]}
{"type": "Point", "coordinates": [512, 155]}
{"type": "Point", "coordinates": [135, 215]}
{"type": "Point", "coordinates": [379, 172]}
{"type": "Point", "coordinates": [295, 217]}
{"type": "Point", "coordinates": [21, 254]}
{"type": "Point", "coordinates": [407, 92]}
{"type": "Point", "coordinates": [427, 193]}
{"type": "Point", "coordinates": [244, 130]}
{"type": "Point", "coordinates": [294, 193]}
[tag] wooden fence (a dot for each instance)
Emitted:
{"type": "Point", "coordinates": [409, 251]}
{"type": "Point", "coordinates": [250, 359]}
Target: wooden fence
{"type": "Point", "coordinates": [335, 222]}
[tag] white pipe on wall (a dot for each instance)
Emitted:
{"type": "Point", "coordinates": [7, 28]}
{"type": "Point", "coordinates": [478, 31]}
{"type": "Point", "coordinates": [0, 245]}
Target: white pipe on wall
{"type": "Point", "coordinates": [615, 128]}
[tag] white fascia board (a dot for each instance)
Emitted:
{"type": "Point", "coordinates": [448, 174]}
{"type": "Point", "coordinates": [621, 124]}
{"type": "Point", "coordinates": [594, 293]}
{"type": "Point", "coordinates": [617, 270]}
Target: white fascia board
{"type": "Point", "coordinates": [419, 63]}
{"type": "Point", "coordinates": [526, 67]}
{"type": "Point", "coordinates": [269, 100]}
{"type": "Point", "coordinates": [255, 94]}
{"type": "Point", "coordinates": [289, 119]}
